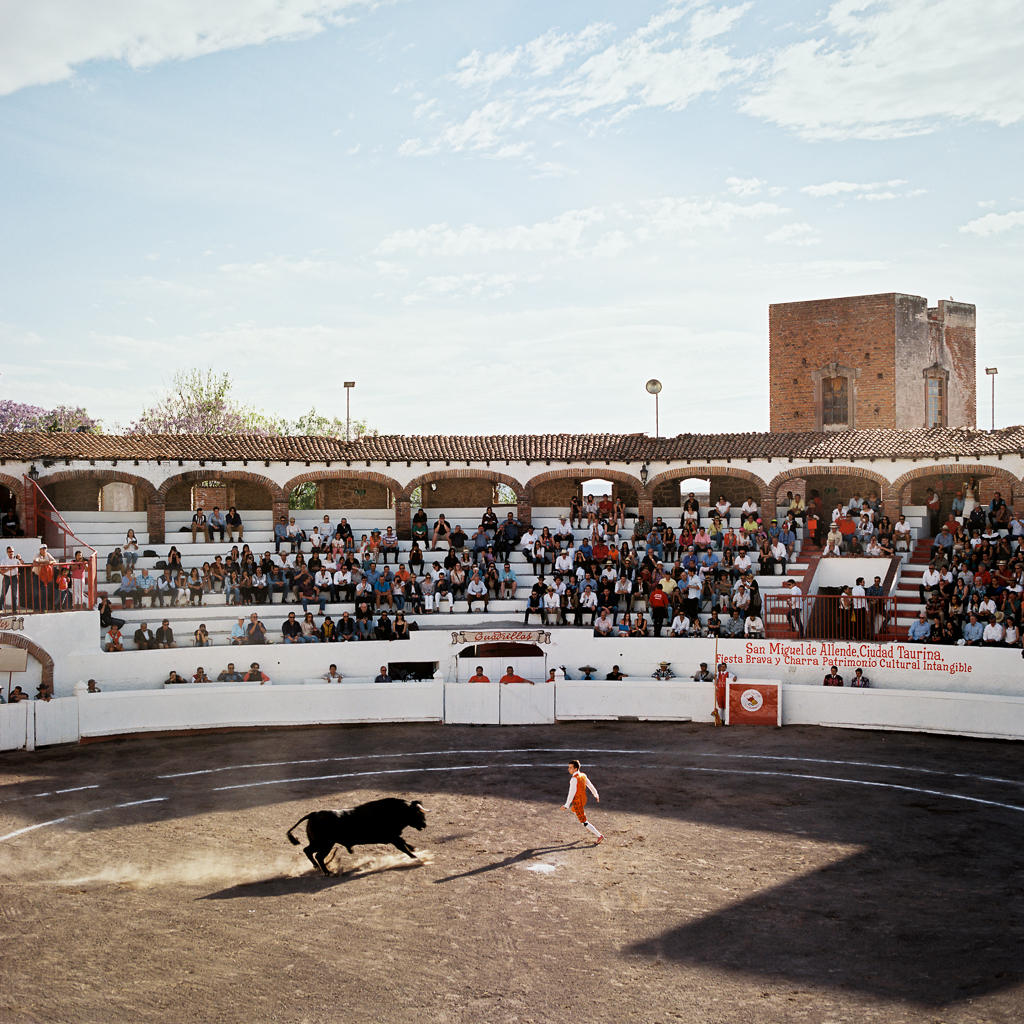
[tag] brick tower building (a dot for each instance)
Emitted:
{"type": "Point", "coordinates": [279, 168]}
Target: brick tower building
{"type": "Point", "coordinates": [867, 361]}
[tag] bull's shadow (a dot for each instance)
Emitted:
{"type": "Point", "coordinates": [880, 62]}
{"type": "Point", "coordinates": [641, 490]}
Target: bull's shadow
{"type": "Point", "coordinates": [518, 858]}
{"type": "Point", "coordinates": [312, 882]}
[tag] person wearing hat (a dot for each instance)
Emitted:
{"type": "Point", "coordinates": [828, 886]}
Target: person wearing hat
{"type": "Point", "coordinates": [663, 671]}
{"type": "Point", "coordinates": [702, 675]}
{"type": "Point", "coordinates": [994, 634]}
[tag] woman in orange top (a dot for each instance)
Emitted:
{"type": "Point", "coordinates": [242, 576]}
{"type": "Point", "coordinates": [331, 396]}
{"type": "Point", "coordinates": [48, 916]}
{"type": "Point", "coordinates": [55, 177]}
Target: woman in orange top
{"type": "Point", "coordinates": [576, 801]}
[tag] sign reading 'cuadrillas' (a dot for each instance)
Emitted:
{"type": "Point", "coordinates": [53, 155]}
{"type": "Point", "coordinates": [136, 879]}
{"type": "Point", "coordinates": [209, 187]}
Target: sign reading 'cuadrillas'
{"type": "Point", "coordinates": [501, 636]}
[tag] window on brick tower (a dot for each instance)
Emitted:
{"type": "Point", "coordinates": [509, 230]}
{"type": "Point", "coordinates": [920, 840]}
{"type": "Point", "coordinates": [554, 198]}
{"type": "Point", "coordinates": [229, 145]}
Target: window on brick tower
{"type": "Point", "coordinates": [835, 403]}
{"type": "Point", "coordinates": [934, 405]}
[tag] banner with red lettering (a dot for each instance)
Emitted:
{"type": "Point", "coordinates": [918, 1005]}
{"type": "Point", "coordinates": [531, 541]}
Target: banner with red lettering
{"type": "Point", "coordinates": [753, 702]}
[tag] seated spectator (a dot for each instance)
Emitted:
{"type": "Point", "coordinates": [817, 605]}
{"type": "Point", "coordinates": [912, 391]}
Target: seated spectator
{"type": "Point", "coordinates": [346, 631]}
{"type": "Point", "coordinates": [145, 640]}
{"type": "Point", "coordinates": [401, 627]}
{"type": "Point", "coordinates": [859, 679]}
{"type": "Point", "coordinates": [215, 523]}
{"type": "Point", "coordinates": [256, 631]}
{"type": "Point", "coordinates": [291, 630]}
{"type": "Point", "coordinates": [199, 525]}
{"type": "Point", "coordinates": [703, 675]}
{"type": "Point", "coordinates": [165, 636]}
{"type": "Point", "coordinates": [753, 628]}
{"type": "Point", "coordinates": [200, 676]}
{"type": "Point", "coordinates": [994, 634]}
{"type": "Point", "coordinates": [332, 675]}
{"type": "Point", "coordinates": [680, 625]}
{"type": "Point", "coordinates": [256, 675]}
{"type": "Point", "coordinates": [921, 630]}
{"type": "Point", "coordinates": [383, 677]}
{"type": "Point", "coordinates": [238, 633]}
{"type": "Point", "coordinates": [603, 625]}
{"type": "Point", "coordinates": [384, 630]}
{"type": "Point", "coordinates": [201, 638]}
{"type": "Point", "coordinates": [458, 538]}
{"type": "Point", "coordinates": [833, 678]}
{"type": "Point", "coordinates": [442, 532]}
{"type": "Point", "coordinates": [309, 634]}
{"type": "Point", "coordinates": [115, 563]}
{"type": "Point", "coordinates": [113, 639]}
{"type": "Point", "coordinates": [229, 675]}
{"type": "Point", "coordinates": [174, 679]}
{"type": "Point", "coordinates": [639, 628]}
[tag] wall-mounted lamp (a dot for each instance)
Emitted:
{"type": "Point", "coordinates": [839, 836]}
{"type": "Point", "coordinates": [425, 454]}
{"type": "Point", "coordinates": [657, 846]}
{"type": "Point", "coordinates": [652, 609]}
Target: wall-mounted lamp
{"type": "Point", "coordinates": [644, 474]}
{"type": "Point", "coordinates": [33, 473]}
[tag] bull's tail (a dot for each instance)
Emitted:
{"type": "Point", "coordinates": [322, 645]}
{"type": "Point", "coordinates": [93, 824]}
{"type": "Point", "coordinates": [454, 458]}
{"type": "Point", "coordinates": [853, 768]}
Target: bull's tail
{"type": "Point", "coordinates": [291, 838]}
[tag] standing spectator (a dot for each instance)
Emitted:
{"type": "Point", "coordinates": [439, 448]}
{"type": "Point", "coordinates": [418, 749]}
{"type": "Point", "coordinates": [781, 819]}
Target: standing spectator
{"type": "Point", "coordinates": [9, 570]}
{"type": "Point", "coordinates": [79, 575]}
{"type": "Point", "coordinates": [43, 575]}
{"type": "Point", "coordinates": [794, 615]}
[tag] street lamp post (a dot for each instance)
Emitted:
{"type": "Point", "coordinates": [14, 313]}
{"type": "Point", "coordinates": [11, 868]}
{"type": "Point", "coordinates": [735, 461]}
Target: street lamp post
{"type": "Point", "coordinates": [992, 371]}
{"type": "Point", "coordinates": [349, 385]}
{"type": "Point", "coordinates": [654, 387]}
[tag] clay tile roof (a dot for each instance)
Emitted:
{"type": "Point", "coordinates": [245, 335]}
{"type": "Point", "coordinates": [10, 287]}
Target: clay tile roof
{"type": "Point", "coordinates": [853, 444]}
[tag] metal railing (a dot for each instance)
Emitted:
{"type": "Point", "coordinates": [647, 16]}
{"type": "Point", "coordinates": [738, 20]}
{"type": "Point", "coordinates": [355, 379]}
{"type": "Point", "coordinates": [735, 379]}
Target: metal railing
{"type": "Point", "coordinates": [70, 587]}
{"type": "Point", "coordinates": [831, 617]}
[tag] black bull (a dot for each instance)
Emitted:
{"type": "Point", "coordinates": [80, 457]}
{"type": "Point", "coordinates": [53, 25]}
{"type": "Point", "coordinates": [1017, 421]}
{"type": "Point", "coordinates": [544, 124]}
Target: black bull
{"type": "Point", "coordinates": [379, 821]}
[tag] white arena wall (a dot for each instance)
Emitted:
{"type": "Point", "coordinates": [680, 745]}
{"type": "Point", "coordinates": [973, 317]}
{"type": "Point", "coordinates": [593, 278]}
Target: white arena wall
{"type": "Point", "coordinates": [965, 691]}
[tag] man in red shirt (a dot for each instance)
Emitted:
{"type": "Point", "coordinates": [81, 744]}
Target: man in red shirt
{"type": "Point", "coordinates": [479, 677]}
{"type": "Point", "coordinates": [511, 677]}
{"type": "Point", "coordinates": [658, 602]}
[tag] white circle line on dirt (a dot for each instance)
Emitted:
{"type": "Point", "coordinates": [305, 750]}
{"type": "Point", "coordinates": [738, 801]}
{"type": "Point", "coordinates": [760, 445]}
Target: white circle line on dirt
{"type": "Point", "coordinates": [55, 792]}
{"type": "Point", "coordinates": [80, 814]}
{"type": "Point", "coordinates": [686, 768]}
{"type": "Point", "coordinates": [858, 782]}
{"type": "Point", "coordinates": [356, 775]}
{"type": "Point", "coordinates": [867, 764]}
{"type": "Point", "coordinates": [392, 757]}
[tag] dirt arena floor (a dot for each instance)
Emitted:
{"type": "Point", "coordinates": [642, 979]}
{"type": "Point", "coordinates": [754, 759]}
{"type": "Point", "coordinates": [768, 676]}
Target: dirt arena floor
{"type": "Point", "coordinates": [747, 875]}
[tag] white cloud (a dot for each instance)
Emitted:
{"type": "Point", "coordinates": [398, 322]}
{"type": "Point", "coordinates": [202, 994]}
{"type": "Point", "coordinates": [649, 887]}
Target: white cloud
{"type": "Point", "coordinates": [564, 232]}
{"type": "Point", "coordinates": [794, 234]}
{"type": "Point", "coordinates": [745, 186]}
{"type": "Point", "coordinates": [986, 205]}
{"type": "Point", "coordinates": [994, 223]}
{"type": "Point", "coordinates": [835, 188]}
{"type": "Point", "coordinates": [43, 41]}
{"type": "Point", "coordinates": [653, 67]}
{"type": "Point", "coordinates": [685, 214]}
{"type": "Point", "coordinates": [282, 267]}
{"type": "Point", "coordinates": [891, 68]}
{"type": "Point", "coordinates": [457, 286]}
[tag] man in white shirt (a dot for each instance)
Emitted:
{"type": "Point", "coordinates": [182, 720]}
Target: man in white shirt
{"type": "Point", "coordinates": [476, 590]}
{"type": "Point", "coordinates": [9, 568]}
{"type": "Point", "coordinates": [680, 625]}
{"type": "Point", "coordinates": [332, 675]}
{"type": "Point", "coordinates": [796, 608]}
{"type": "Point", "coordinates": [753, 628]}
{"type": "Point", "coordinates": [749, 507]}
{"type": "Point", "coordinates": [995, 633]}
{"type": "Point", "coordinates": [742, 563]}
{"type": "Point", "coordinates": [324, 580]}
{"type": "Point", "coordinates": [930, 581]}
{"type": "Point", "coordinates": [563, 531]}
{"type": "Point", "coordinates": [901, 534]}
{"type": "Point", "coordinates": [563, 563]}
{"type": "Point", "coordinates": [553, 608]}
{"type": "Point", "coordinates": [603, 626]}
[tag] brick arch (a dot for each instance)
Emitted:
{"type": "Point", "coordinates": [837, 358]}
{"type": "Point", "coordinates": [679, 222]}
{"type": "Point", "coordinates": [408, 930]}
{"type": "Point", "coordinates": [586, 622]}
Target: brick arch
{"type": "Point", "coordinates": [109, 476]}
{"type": "Point", "coordinates": [22, 642]}
{"type": "Point", "coordinates": [14, 485]}
{"type": "Point", "coordinates": [405, 493]}
{"type": "Point", "coordinates": [885, 487]}
{"type": "Point", "coordinates": [277, 495]}
{"type": "Point", "coordinates": [585, 473]}
{"type": "Point", "coordinates": [313, 477]}
{"type": "Point", "coordinates": [765, 496]}
{"type": "Point", "coordinates": [963, 470]}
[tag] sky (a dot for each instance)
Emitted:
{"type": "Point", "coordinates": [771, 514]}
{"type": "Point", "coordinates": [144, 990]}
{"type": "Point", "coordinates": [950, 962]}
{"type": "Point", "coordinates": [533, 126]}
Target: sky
{"type": "Point", "coordinates": [493, 217]}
